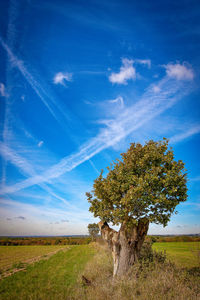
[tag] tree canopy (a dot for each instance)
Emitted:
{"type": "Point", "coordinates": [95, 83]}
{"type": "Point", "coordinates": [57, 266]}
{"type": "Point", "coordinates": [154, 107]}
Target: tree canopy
{"type": "Point", "coordinates": [93, 230]}
{"type": "Point", "coordinates": [147, 183]}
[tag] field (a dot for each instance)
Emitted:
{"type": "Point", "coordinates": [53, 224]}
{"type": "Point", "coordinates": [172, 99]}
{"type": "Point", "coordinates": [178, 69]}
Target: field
{"type": "Point", "coordinates": [60, 276]}
{"type": "Point", "coordinates": [11, 257]}
{"type": "Point", "coordinates": [47, 279]}
{"type": "Point", "coordinates": [184, 254]}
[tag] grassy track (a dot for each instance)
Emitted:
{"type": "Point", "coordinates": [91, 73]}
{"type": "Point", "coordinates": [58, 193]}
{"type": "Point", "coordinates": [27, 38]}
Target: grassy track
{"type": "Point", "coordinates": [185, 254]}
{"type": "Point", "coordinates": [13, 255]}
{"type": "Point", "coordinates": [47, 279]}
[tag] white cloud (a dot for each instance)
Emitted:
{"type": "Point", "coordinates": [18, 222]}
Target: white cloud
{"type": "Point", "coordinates": [144, 62]}
{"type": "Point", "coordinates": [182, 136]}
{"type": "Point", "coordinates": [40, 144]}
{"type": "Point", "coordinates": [44, 94]}
{"type": "Point", "coordinates": [194, 179]}
{"type": "Point", "coordinates": [39, 216]}
{"type": "Point", "coordinates": [94, 167]}
{"type": "Point", "coordinates": [119, 99]}
{"type": "Point", "coordinates": [156, 88]}
{"type": "Point", "coordinates": [28, 76]}
{"type": "Point", "coordinates": [127, 71]}
{"type": "Point", "coordinates": [3, 90]}
{"type": "Point", "coordinates": [26, 168]}
{"type": "Point", "coordinates": [128, 120]}
{"type": "Point", "coordinates": [60, 78]}
{"type": "Point", "coordinates": [179, 72]}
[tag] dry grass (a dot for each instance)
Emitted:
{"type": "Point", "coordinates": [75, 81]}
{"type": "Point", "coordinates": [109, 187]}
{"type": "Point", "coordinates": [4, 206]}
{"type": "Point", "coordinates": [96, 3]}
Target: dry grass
{"type": "Point", "coordinates": [13, 256]}
{"type": "Point", "coordinates": [152, 280]}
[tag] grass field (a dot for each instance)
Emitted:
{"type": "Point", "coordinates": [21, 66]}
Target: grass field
{"type": "Point", "coordinates": [14, 256]}
{"type": "Point", "coordinates": [156, 280]}
{"type": "Point", "coordinates": [184, 254]}
{"type": "Point", "coordinates": [59, 276]}
{"type": "Point", "coordinates": [48, 279]}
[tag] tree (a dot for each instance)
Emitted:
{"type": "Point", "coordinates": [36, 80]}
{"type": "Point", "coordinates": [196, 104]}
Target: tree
{"type": "Point", "coordinates": [93, 230]}
{"type": "Point", "coordinates": [143, 187]}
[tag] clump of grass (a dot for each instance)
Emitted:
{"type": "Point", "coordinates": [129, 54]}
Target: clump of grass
{"type": "Point", "coordinates": [19, 265]}
{"type": "Point", "coordinates": [151, 278]}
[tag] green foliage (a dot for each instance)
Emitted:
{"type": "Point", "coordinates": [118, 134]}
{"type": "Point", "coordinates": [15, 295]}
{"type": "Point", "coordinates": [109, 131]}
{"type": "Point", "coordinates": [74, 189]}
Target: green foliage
{"type": "Point", "coordinates": [93, 230]}
{"type": "Point", "coordinates": [147, 183]}
{"type": "Point", "coordinates": [147, 254]}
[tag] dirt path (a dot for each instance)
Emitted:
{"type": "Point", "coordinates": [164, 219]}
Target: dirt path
{"type": "Point", "coordinates": [27, 262]}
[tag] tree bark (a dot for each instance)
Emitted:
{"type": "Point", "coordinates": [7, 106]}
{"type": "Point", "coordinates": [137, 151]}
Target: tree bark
{"type": "Point", "coordinates": [125, 244]}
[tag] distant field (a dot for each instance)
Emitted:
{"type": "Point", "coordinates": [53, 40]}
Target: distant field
{"type": "Point", "coordinates": [185, 254]}
{"type": "Point", "coordinates": [48, 279]}
{"type": "Point", "coordinates": [44, 241]}
{"type": "Point", "coordinates": [12, 256]}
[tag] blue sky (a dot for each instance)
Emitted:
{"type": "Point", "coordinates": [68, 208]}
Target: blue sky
{"type": "Point", "coordinates": [80, 81]}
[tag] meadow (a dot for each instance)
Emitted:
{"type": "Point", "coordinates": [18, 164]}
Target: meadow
{"type": "Point", "coordinates": [16, 257]}
{"type": "Point", "coordinates": [60, 276]}
{"type": "Point", "coordinates": [184, 254]}
{"type": "Point", "coordinates": [47, 279]}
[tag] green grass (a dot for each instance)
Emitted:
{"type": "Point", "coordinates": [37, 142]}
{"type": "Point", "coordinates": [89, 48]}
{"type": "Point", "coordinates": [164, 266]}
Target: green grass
{"type": "Point", "coordinates": [185, 254]}
{"type": "Point", "coordinates": [58, 277]}
{"type": "Point", "coordinates": [12, 255]}
{"type": "Point", "coordinates": [157, 280]}
{"type": "Point", "coordinates": [48, 279]}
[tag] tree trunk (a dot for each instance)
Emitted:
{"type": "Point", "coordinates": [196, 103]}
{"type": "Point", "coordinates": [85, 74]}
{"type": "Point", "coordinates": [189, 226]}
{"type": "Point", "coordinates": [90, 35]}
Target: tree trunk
{"type": "Point", "coordinates": [125, 244]}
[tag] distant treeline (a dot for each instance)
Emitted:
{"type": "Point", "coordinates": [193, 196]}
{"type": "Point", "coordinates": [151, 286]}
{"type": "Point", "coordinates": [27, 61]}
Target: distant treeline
{"type": "Point", "coordinates": [25, 241]}
{"type": "Point", "coordinates": [175, 238]}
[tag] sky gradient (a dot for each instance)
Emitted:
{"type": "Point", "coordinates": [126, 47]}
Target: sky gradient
{"type": "Point", "coordinates": [80, 81]}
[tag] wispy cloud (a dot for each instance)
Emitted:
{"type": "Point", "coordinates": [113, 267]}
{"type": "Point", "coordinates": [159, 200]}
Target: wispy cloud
{"type": "Point", "coordinates": [27, 169]}
{"type": "Point", "coordinates": [127, 72]}
{"type": "Point", "coordinates": [186, 134]}
{"type": "Point", "coordinates": [179, 72]}
{"type": "Point", "coordinates": [21, 218]}
{"type": "Point", "coordinates": [3, 90]}
{"type": "Point", "coordinates": [146, 62]}
{"type": "Point", "coordinates": [53, 106]}
{"type": "Point", "coordinates": [125, 122]}
{"type": "Point", "coordinates": [40, 144]}
{"type": "Point", "coordinates": [20, 65]}
{"type": "Point", "coordinates": [16, 160]}
{"type": "Point", "coordinates": [13, 14]}
{"type": "Point", "coordinates": [119, 99]}
{"type": "Point", "coordinates": [30, 210]}
{"type": "Point", "coordinates": [94, 167]}
{"type": "Point", "coordinates": [156, 88]}
{"type": "Point", "coordinates": [194, 179]}
{"type": "Point", "coordinates": [61, 77]}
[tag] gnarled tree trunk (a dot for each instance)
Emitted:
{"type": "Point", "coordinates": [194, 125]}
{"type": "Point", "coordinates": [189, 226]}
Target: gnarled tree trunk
{"type": "Point", "coordinates": [125, 244]}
